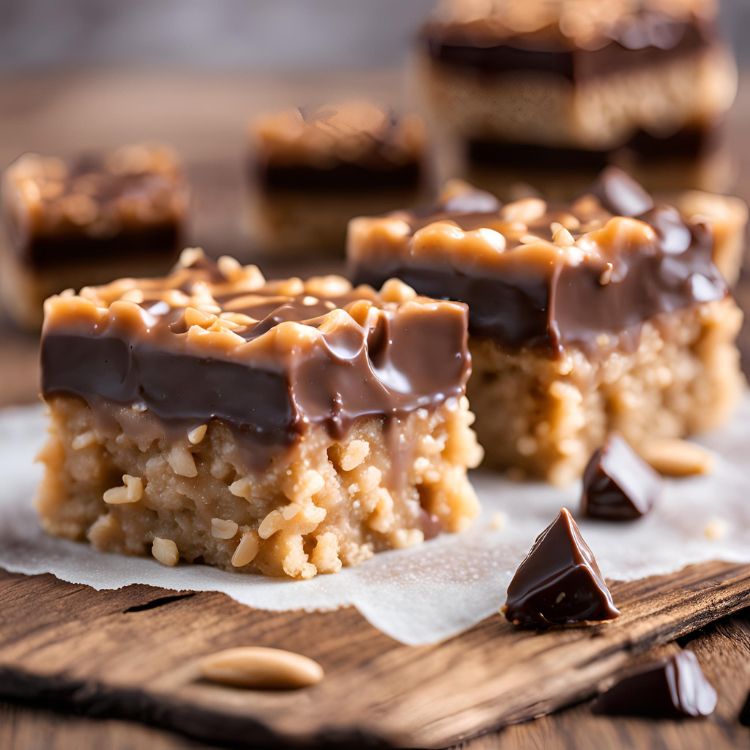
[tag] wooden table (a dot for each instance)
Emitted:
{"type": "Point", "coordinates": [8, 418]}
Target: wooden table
{"type": "Point", "coordinates": [203, 116]}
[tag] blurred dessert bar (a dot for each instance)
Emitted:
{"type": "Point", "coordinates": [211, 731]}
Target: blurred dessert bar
{"type": "Point", "coordinates": [312, 170]}
{"type": "Point", "coordinates": [604, 314]}
{"type": "Point", "coordinates": [550, 92]}
{"type": "Point", "coordinates": [88, 220]}
{"type": "Point", "coordinates": [282, 427]}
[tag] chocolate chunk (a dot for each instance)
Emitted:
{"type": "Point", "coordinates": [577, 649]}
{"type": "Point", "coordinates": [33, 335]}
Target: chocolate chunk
{"type": "Point", "coordinates": [668, 689]}
{"type": "Point", "coordinates": [618, 485]}
{"type": "Point", "coordinates": [471, 202]}
{"type": "Point", "coordinates": [621, 194]}
{"type": "Point", "coordinates": [559, 582]}
{"type": "Point", "coordinates": [745, 713]}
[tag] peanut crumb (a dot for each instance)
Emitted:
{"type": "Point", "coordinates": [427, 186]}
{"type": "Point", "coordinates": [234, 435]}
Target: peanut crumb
{"type": "Point", "coordinates": [716, 528]}
{"type": "Point", "coordinates": [165, 551]}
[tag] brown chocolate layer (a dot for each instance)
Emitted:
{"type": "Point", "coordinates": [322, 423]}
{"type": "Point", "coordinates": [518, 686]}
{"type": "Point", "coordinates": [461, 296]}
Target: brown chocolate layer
{"type": "Point", "coordinates": [688, 143]}
{"type": "Point", "coordinates": [337, 177]}
{"type": "Point", "coordinates": [648, 38]}
{"type": "Point", "coordinates": [296, 359]}
{"type": "Point", "coordinates": [544, 299]}
{"type": "Point", "coordinates": [45, 251]}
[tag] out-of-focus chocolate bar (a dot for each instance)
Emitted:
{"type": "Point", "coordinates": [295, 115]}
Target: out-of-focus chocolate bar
{"type": "Point", "coordinates": [559, 581]}
{"type": "Point", "coordinates": [605, 313]}
{"type": "Point", "coordinates": [551, 92]}
{"type": "Point", "coordinates": [87, 220]}
{"type": "Point", "coordinates": [312, 169]}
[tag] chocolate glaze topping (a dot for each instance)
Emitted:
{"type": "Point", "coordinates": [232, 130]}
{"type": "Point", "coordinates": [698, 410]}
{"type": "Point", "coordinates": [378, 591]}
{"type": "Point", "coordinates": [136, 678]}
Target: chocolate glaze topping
{"type": "Point", "coordinates": [618, 485]}
{"type": "Point", "coordinates": [270, 359]}
{"type": "Point", "coordinates": [648, 37]}
{"type": "Point", "coordinates": [559, 581]}
{"type": "Point", "coordinates": [672, 688]}
{"type": "Point", "coordinates": [585, 275]}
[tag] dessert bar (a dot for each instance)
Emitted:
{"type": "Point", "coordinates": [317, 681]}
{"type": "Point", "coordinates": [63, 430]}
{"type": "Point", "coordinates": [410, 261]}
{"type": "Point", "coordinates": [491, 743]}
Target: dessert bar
{"type": "Point", "coordinates": [87, 220]}
{"type": "Point", "coordinates": [285, 427]}
{"type": "Point", "coordinates": [554, 91]}
{"type": "Point", "coordinates": [311, 170]}
{"type": "Point", "coordinates": [607, 313]}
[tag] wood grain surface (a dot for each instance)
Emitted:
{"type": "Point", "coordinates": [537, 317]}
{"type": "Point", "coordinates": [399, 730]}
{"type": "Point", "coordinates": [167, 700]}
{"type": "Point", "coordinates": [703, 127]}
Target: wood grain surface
{"type": "Point", "coordinates": [109, 656]}
{"type": "Point", "coordinates": [133, 654]}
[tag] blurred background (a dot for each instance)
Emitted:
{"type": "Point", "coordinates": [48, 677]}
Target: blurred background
{"type": "Point", "coordinates": [227, 34]}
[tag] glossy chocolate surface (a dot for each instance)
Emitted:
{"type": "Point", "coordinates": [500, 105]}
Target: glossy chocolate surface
{"type": "Point", "coordinates": [672, 688]}
{"type": "Point", "coordinates": [618, 485]}
{"type": "Point", "coordinates": [559, 581]}
{"type": "Point", "coordinates": [539, 294]}
{"type": "Point", "coordinates": [646, 38]}
{"type": "Point", "coordinates": [274, 358]}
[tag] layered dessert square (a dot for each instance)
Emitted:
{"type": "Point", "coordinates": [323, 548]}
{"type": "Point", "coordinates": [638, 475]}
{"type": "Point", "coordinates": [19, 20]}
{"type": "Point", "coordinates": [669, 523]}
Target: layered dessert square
{"type": "Point", "coordinates": [604, 314]}
{"type": "Point", "coordinates": [283, 427]}
{"type": "Point", "coordinates": [311, 170]}
{"type": "Point", "coordinates": [88, 220]}
{"type": "Point", "coordinates": [546, 92]}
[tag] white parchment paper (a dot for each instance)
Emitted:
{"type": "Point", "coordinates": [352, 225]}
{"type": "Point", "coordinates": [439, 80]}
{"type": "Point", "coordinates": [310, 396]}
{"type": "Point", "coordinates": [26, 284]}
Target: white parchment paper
{"type": "Point", "coordinates": [420, 595]}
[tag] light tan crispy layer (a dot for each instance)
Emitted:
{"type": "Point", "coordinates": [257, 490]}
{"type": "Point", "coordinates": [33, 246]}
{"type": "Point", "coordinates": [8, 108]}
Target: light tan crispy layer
{"type": "Point", "coordinates": [542, 417]}
{"type": "Point", "coordinates": [124, 485]}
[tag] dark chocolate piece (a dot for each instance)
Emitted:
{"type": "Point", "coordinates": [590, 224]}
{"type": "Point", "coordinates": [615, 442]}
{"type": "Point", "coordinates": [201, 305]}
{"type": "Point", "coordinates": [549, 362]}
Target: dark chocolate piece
{"type": "Point", "coordinates": [744, 716]}
{"type": "Point", "coordinates": [559, 581]}
{"type": "Point", "coordinates": [550, 306]}
{"type": "Point", "coordinates": [620, 194]}
{"type": "Point", "coordinates": [649, 38]}
{"type": "Point", "coordinates": [672, 688]}
{"type": "Point", "coordinates": [618, 485]}
{"type": "Point", "coordinates": [398, 361]}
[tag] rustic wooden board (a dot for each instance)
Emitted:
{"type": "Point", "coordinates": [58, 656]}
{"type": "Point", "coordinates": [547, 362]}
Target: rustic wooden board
{"type": "Point", "coordinates": [132, 654]}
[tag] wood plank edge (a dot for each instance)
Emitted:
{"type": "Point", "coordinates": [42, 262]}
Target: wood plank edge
{"type": "Point", "coordinates": [96, 700]}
